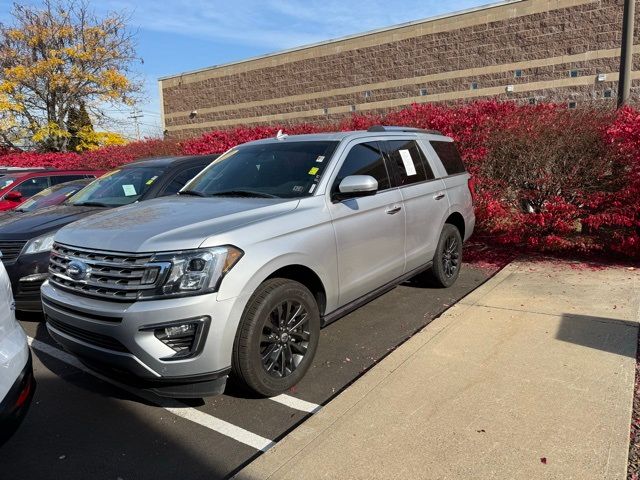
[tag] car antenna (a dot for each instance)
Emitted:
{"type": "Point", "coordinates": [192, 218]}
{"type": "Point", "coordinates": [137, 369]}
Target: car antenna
{"type": "Point", "coordinates": [280, 135]}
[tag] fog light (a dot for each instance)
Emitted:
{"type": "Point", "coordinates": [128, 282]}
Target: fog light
{"type": "Point", "coordinates": [186, 338]}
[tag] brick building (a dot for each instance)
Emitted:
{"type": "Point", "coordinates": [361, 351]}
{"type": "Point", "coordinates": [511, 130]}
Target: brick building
{"type": "Point", "coordinates": [527, 50]}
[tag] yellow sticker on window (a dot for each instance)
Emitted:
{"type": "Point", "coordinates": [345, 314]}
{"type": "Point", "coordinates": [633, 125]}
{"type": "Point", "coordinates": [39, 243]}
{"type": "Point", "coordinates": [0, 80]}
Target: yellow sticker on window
{"type": "Point", "coordinates": [313, 171]}
{"type": "Point", "coordinates": [151, 180]}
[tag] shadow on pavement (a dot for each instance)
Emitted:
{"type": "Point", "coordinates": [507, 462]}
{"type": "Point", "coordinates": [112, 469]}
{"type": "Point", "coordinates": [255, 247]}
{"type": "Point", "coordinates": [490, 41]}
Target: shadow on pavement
{"type": "Point", "coordinates": [71, 433]}
{"type": "Point", "coordinates": [600, 333]}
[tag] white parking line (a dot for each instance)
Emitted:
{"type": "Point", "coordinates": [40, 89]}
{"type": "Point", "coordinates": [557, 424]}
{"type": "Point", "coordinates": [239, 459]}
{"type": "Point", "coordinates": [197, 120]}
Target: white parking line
{"type": "Point", "coordinates": [173, 406]}
{"type": "Point", "coordinates": [296, 403]}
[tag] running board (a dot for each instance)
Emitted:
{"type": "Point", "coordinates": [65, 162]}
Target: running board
{"type": "Point", "coordinates": [358, 302]}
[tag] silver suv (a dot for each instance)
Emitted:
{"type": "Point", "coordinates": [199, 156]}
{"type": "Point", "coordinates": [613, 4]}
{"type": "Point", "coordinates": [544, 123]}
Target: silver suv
{"type": "Point", "coordinates": [272, 241]}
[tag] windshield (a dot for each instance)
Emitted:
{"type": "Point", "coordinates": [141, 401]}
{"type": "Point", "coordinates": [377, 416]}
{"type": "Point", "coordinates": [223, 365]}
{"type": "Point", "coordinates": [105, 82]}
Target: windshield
{"type": "Point", "coordinates": [116, 188]}
{"type": "Point", "coordinates": [6, 181]}
{"type": "Point", "coordinates": [52, 196]}
{"type": "Point", "coordinates": [283, 169]}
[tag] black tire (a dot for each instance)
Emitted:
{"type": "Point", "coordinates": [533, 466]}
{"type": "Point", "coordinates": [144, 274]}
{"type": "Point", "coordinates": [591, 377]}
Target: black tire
{"type": "Point", "coordinates": [269, 356]}
{"type": "Point", "coordinates": [448, 257]}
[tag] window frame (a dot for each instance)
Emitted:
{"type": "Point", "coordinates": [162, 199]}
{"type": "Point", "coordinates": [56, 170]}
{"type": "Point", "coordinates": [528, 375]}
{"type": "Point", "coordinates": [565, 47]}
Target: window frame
{"type": "Point", "coordinates": [424, 161]}
{"type": "Point", "coordinates": [332, 184]}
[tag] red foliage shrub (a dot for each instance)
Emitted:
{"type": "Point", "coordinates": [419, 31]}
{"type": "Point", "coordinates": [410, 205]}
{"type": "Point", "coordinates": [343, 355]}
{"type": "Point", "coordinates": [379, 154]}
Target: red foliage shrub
{"type": "Point", "coordinates": [547, 179]}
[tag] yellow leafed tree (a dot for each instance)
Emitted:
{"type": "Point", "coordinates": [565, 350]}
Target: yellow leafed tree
{"type": "Point", "coordinates": [55, 59]}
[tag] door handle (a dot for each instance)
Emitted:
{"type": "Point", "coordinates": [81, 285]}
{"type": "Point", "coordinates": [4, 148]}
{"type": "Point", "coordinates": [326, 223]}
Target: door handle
{"type": "Point", "coordinates": [439, 196]}
{"type": "Point", "coordinates": [393, 209]}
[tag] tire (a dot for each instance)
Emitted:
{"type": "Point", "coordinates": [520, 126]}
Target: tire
{"type": "Point", "coordinates": [269, 356]}
{"type": "Point", "coordinates": [448, 257]}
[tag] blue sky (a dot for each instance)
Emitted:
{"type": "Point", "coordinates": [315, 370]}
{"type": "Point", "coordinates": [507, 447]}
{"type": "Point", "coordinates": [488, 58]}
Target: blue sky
{"type": "Point", "coordinates": [174, 36]}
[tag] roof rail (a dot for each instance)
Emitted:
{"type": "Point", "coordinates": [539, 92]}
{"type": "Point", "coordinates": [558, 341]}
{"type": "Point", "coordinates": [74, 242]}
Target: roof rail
{"type": "Point", "coordinates": [393, 128]}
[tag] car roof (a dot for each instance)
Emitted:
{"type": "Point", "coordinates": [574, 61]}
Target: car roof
{"type": "Point", "coordinates": [169, 161]}
{"type": "Point", "coordinates": [340, 136]}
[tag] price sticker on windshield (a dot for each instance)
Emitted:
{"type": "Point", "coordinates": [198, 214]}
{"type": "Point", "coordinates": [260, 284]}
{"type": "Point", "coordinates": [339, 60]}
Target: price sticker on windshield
{"type": "Point", "coordinates": [129, 190]}
{"type": "Point", "coordinates": [314, 170]}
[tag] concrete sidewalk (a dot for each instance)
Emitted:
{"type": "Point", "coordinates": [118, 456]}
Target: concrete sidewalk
{"type": "Point", "coordinates": [530, 376]}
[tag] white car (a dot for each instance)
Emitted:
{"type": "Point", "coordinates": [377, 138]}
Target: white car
{"type": "Point", "coordinates": [17, 384]}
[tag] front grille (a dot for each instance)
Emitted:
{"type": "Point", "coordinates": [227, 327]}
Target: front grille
{"type": "Point", "coordinates": [11, 250]}
{"type": "Point", "coordinates": [29, 287]}
{"type": "Point", "coordinates": [97, 339]}
{"type": "Point", "coordinates": [114, 276]}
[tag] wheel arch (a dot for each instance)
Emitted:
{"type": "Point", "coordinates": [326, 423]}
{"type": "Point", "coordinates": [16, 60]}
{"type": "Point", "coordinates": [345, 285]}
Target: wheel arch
{"type": "Point", "coordinates": [457, 220]}
{"type": "Point", "coordinates": [307, 277]}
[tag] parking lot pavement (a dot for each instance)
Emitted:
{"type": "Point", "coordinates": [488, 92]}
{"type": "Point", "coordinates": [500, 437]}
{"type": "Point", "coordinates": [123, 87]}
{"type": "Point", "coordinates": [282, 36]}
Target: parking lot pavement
{"type": "Point", "coordinates": [82, 425]}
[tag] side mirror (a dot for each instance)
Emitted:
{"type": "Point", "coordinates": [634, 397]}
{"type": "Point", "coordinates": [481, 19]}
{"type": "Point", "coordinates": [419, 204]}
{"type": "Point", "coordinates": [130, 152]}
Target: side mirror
{"type": "Point", "coordinates": [13, 196]}
{"type": "Point", "coordinates": [356, 186]}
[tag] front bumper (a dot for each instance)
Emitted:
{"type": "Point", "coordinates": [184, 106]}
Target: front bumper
{"type": "Point", "coordinates": [15, 404]}
{"type": "Point", "coordinates": [110, 337]}
{"type": "Point", "coordinates": [27, 274]}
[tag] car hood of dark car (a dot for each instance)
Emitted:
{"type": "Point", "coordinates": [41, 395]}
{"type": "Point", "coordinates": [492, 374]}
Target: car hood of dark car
{"type": "Point", "coordinates": [28, 225]}
{"type": "Point", "coordinates": [169, 224]}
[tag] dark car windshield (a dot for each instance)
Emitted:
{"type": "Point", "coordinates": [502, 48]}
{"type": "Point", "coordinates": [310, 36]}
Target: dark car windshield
{"type": "Point", "coordinates": [281, 169]}
{"type": "Point", "coordinates": [52, 195]}
{"type": "Point", "coordinates": [117, 188]}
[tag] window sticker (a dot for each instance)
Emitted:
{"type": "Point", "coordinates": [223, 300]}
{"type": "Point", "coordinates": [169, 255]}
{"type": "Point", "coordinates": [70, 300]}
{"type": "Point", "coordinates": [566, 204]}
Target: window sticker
{"type": "Point", "coordinates": [313, 187]}
{"type": "Point", "coordinates": [129, 190]}
{"type": "Point", "coordinates": [408, 162]}
{"type": "Point", "coordinates": [320, 159]}
{"type": "Point", "coordinates": [314, 170]}
{"type": "Point", "coordinates": [151, 180]}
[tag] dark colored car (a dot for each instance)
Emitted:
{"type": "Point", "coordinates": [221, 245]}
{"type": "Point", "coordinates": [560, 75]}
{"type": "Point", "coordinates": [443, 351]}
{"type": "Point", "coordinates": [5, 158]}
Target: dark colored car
{"type": "Point", "coordinates": [52, 196]}
{"type": "Point", "coordinates": [18, 186]}
{"type": "Point", "coordinates": [26, 238]}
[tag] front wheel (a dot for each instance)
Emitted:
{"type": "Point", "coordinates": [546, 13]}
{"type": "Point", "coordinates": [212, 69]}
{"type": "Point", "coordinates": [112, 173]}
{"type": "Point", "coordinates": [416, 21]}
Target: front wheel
{"type": "Point", "coordinates": [277, 337]}
{"type": "Point", "coordinates": [448, 257]}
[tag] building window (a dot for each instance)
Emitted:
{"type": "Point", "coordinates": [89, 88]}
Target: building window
{"type": "Point", "coordinates": [353, 108]}
{"type": "Point", "coordinates": [424, 92]}
{"type": "Point", "coordinates": [572, 104]}
{"type": "Point", "coordinates": [532, 101]}
{"type": "Point", "coordinates": [517, 73]}
{"type": "Point", "coordinates": [474, 85]}
{"type": "Point", "coordinates": [608, 93]}
{"type": "Point", "coordinates": [573, 73]}
{"type": "Point", "coordinates": [368, 94]}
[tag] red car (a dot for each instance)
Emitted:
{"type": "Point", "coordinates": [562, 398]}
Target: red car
{"type": "Point", "coordinates": [18, 186]}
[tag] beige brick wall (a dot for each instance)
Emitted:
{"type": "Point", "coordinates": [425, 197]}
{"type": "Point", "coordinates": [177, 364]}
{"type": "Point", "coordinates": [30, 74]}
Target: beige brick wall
{"type": "Point", "coordinates": [544, 38]}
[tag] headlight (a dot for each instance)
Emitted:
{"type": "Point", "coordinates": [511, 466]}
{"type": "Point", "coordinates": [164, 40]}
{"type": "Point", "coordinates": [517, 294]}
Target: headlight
{"type": "Point", "coordinates": [39, 244]}
{"type": "Point", "coordinates": [195, 272]}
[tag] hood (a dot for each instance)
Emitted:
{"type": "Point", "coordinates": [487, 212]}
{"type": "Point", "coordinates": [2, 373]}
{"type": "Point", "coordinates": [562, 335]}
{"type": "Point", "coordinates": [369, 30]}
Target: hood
{"type": "Point", "coordinates": [171, 223]}
{"type": "Point", "coordinates": [28, 225]}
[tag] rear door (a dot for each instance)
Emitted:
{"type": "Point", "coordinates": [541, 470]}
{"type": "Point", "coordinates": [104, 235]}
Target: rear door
{"type": "Point", "coordinates": [423, 196]}
{"type": "Point", "coordinates": [369, 230]}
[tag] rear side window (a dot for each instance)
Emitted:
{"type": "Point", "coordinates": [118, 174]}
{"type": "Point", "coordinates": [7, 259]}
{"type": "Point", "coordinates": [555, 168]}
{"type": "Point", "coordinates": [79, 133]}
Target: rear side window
{"type": "Point", "coordinates": [408, 161]}
{"type": "Point", "coordinates": [364, 159]}
{"type": "Point", "coordinates": [449, 156]}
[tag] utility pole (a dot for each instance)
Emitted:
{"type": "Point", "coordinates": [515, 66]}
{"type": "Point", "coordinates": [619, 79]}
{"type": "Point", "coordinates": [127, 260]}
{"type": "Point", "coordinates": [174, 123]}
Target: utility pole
{"type": "Point", "coordinates": [626, 53]}
{"type": "Point", "coordinates": [135, 115]}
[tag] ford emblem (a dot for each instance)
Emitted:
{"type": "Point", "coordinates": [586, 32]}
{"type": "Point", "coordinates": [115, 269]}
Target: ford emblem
{"type": "Point", "coordinates": [77, 270]}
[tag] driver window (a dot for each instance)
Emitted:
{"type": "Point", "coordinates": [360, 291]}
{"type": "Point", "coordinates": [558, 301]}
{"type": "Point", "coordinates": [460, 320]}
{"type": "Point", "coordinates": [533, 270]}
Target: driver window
{"type": "Point", "coordinates": [364, 159]}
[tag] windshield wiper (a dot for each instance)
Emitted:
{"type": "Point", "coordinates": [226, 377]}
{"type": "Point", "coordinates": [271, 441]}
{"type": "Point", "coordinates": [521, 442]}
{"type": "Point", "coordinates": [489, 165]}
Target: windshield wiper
{"type": "Point", "coordinates": [242, 193]}
{"type": "Point", "coordinates": [195, 193]}
{"type": "Point", "coordinates": [91, 204]}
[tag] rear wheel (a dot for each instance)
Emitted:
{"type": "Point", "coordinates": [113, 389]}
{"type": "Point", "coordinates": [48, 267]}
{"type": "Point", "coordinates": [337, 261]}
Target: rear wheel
{"type": "Point", "coordinates": [277, 337]}
{"type": "Point", "coordinates": [448, 257]}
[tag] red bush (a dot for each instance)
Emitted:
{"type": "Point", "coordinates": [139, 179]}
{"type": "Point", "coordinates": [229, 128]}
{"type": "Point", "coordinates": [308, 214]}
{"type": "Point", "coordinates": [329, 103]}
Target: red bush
{"type": "Point", "coordinates": [547, 179]}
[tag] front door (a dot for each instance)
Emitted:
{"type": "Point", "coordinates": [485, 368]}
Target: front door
{"type": "Point", "coordinates": [370, 231]}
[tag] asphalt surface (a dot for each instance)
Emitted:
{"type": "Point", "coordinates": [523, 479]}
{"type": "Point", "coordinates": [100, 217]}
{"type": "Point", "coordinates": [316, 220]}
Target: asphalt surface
{"type": "Point", "coordinates": [82, 426]}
